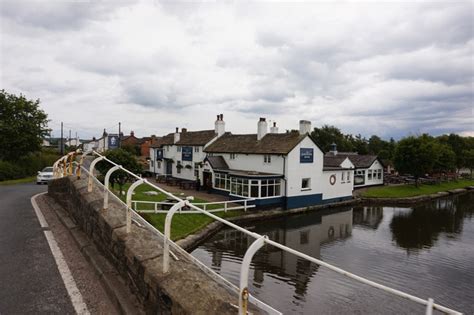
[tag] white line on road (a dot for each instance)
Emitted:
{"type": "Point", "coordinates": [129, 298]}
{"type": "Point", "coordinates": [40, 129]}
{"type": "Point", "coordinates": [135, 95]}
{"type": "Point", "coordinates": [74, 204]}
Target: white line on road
{"type": "Point", "coordinates": [76, 298]}
{"type": "Point", "coordinates": [38, 212]}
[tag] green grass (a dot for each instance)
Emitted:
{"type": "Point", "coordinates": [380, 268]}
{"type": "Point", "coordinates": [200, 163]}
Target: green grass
{"type": "Point", "coordinates": [18, 181]}
{"type": "Point", "coordinates": [411, 190]}
{"type": "Point", "coordinates": [183, 224]}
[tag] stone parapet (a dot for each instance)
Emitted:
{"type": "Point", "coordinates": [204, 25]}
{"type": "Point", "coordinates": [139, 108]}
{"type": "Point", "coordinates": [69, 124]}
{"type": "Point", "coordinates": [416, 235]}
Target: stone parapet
{"type": "Point", "coordinates": [137, 256]}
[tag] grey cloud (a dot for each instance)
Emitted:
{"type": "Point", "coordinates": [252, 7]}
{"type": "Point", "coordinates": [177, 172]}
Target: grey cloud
{"type": "Point", "coordinates": [57, 15]}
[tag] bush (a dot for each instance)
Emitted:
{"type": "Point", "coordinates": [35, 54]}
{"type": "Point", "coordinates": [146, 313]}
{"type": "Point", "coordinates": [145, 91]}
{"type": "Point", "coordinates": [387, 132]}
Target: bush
{"type": "Point", "coordinates": [26, 166]}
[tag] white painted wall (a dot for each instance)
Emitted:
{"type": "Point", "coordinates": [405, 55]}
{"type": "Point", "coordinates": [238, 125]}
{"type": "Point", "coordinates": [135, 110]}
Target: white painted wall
{"type": "Point", "coordinates": [375, 166]}
{"type": "Point", "coordinates": [341, 188]}
{"type": "Point", "coordinates": [296, 171]}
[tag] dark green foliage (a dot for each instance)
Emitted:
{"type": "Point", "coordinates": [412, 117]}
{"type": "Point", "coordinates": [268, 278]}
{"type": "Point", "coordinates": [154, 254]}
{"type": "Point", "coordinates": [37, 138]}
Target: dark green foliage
{"type": "Point", "coordinates": [416, 156]}
{"type": "Point", "coordinates": [468, 156]}
{"type": "Point", "coordinates": [28, 165]}
{"type": "Point", "coordinates": [23, 125]}
{"type": "Point", "coordinates": [327, 135]}
{"type": "Point", "coordinates": [123, 158]}
{"type": "Point", "coordinates": [133, 149]}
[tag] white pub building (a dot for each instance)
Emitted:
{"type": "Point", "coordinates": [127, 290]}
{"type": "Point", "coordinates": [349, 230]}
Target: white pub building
{"type": "Point", "coordinates": [286, 170]}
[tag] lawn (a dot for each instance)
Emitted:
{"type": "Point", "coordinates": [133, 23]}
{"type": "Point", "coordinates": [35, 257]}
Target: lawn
{"type": "Point", "coordinates": [18, 181]}
{"type": "Point", "coordinates": [185, 224]}
{"type": "Point", "coordinates": [182, 224]}
{"type": "Point", "coordinates": [411, 190]}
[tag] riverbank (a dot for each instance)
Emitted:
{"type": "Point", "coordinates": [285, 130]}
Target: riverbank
{"type": "Point", "coordinates": [404, 191]}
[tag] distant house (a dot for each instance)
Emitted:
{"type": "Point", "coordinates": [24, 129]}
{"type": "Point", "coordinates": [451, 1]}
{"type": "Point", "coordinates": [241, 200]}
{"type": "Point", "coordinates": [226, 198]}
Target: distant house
{"type": "Point", "coordinates": [368, 169]}
{"type": "Point", "coordinates": [181, 154]}
{"type": "Point", "coordinates": [73, 142]}
{"type": "Point", "coordinates": [130, 140]}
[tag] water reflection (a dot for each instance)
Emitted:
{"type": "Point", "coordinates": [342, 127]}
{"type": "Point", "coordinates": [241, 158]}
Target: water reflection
{"type": "Point", "coordinates": [368, 216]}
{"type": "Point", "coordinates": [365, 241]}
{"type": "Point", "coordinates": [304, 233]}
{"type": "Point", "coordinates": [421, 226]}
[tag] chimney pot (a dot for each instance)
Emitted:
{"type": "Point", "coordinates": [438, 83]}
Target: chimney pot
{"type": "Point", "coordinates": [219, 125]}
{"type": "Point", "coordinates": [184, 129]}
{"type": "Point", "coordinates": [261, 128]}
{"type": "Point", "coordinates": [305, 127]}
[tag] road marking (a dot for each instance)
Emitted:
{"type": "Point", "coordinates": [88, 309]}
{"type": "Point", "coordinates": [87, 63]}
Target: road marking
{"type": "Point", "coordinates": [38, 212]}
{"type": "Point", "coordinates": [74, 294]}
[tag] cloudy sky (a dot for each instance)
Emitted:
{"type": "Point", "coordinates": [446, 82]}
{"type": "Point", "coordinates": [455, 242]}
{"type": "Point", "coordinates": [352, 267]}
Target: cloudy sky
{"type": "Point", "coordinates": [372, 67]}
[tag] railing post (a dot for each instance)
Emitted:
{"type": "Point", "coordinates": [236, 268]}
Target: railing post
{"type": "Point", "coordinates": [156, 207]}
{"type": "Point", "coordinates": [91, 172]}
{"type": "Point", "coordinates": [81, 161]}
{"type": "Point", "coordinates": [129, 202]}
{"type": "Point", "coordinates": [166, 245]}
{"type": "Point", "coordinates": [429, 307]}
{"type": "Point", "coordinates": [71, 158]}
{"type": "Point", "coordinates": [225, 206]}
{"type": "Point", "coordinates": [245, 205]}
{"type": "Point", "coordinates": [106, 185]}
{"type": "Point", "coordinates": [244, 273]}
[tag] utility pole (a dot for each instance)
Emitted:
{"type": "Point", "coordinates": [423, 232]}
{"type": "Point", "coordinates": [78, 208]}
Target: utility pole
{"type": "Point", "coordinates": [120, 136]}
{"type": "Point", "coordinates": [61, 149]}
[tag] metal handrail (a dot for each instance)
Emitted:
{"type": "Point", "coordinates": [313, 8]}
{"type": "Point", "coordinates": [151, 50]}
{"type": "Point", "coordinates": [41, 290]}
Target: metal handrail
{"type": "Point", "coordinates": [429, 303]}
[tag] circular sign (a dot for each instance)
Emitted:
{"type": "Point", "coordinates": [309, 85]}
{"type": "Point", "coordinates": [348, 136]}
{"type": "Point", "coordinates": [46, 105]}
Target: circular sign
{"type": "Point", "coordinates": [332, 179]}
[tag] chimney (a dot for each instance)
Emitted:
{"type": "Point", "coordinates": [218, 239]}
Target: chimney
{"type": "Point", "coordinates": [183, 130]}
{"type": "Point", "coordinates": [219, 125]}
{"type": "Point", "coordinates": [261, 128]}
{"type": "Point", "coordinates": [176, 135]}
{"type": "Point", "coordinates": [305, 127]}
{"type": "Point", "coordinates": [274, 129]}
{"type": "Point", "coordinates": [333, 149]}
{"type": "Point", "coordinates": [132, 133]}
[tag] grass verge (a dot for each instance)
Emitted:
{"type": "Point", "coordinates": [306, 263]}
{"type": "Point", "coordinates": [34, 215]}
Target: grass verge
{"type": "Point", "coordinates": [183, 224]}
{"type": "Point", "coordinates": [18, 181]}
{"type": "Point", "coordinates": [402, 191]}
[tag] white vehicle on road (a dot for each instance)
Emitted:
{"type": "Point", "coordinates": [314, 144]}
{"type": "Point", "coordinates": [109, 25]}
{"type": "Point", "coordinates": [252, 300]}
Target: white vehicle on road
{"type": "Point", "coordinates": [45, 175]}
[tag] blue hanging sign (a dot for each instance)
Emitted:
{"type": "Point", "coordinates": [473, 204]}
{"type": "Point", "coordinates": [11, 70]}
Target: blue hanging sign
{"type": "Point", "coordinates": [159, 154]}
{"type": "Point", "coordinates": [187, 153]}
{"type": "Point", "coordinates": [306, 155]}
{"type": "Point", "coordinates": [113, 141]}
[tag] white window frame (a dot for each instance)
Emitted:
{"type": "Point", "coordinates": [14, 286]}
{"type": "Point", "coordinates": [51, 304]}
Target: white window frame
{"type": "Point", "coordinates": [308, 179]}
{"type": "Point", "coordinates": [232, 156]}
{"type": "Point", "coordinates": [196, 149]}
{"type": "Point", "coordinates": [267, 159]}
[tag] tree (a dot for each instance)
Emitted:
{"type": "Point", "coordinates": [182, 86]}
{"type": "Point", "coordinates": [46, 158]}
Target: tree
{"type": "Point", "coordinates": [123, 158]}
{"type": "Point", "coordinates": [327, 135]}
{"type": "Point", "coordinates": [23, 125]}
{"type": "Point", "coordinates": [416, 156]}
{"type": "Point", "coordinates": [469, 159]}
{"type": "Point", "coordinates": [446, 160]}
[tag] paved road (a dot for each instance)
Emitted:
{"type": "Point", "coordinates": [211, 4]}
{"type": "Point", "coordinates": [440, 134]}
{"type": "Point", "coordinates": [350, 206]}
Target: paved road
{"type": "Point", "coordinates": [29, 278]}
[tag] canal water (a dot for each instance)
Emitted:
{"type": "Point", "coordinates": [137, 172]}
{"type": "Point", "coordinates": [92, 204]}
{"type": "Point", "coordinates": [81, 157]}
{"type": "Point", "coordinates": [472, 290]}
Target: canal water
{"type": "Point", "coordinates": [426, 250]}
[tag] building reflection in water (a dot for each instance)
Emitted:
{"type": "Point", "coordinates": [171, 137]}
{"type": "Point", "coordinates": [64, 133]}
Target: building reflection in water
{"type": "Point", "coordinates": [369, 217]}
{"type": "Point", "coordinates": [421, 226]}
{"type": "Point", "coordinates": [305, 233]}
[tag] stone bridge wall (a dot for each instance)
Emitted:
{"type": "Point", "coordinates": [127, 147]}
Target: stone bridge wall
{"type": "Point", "coordinates": [186, 289]}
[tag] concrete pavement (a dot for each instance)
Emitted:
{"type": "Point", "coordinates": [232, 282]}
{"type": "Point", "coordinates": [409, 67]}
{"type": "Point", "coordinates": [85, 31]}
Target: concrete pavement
{"type": "Point", "coordinates": [30, 280]}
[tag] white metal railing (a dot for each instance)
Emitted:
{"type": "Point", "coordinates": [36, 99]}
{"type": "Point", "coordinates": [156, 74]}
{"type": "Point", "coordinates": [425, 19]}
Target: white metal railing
{"type": "Point", "coordinates": [228, 205]}
{"type": "Point", "coordinates": [62, 168]}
